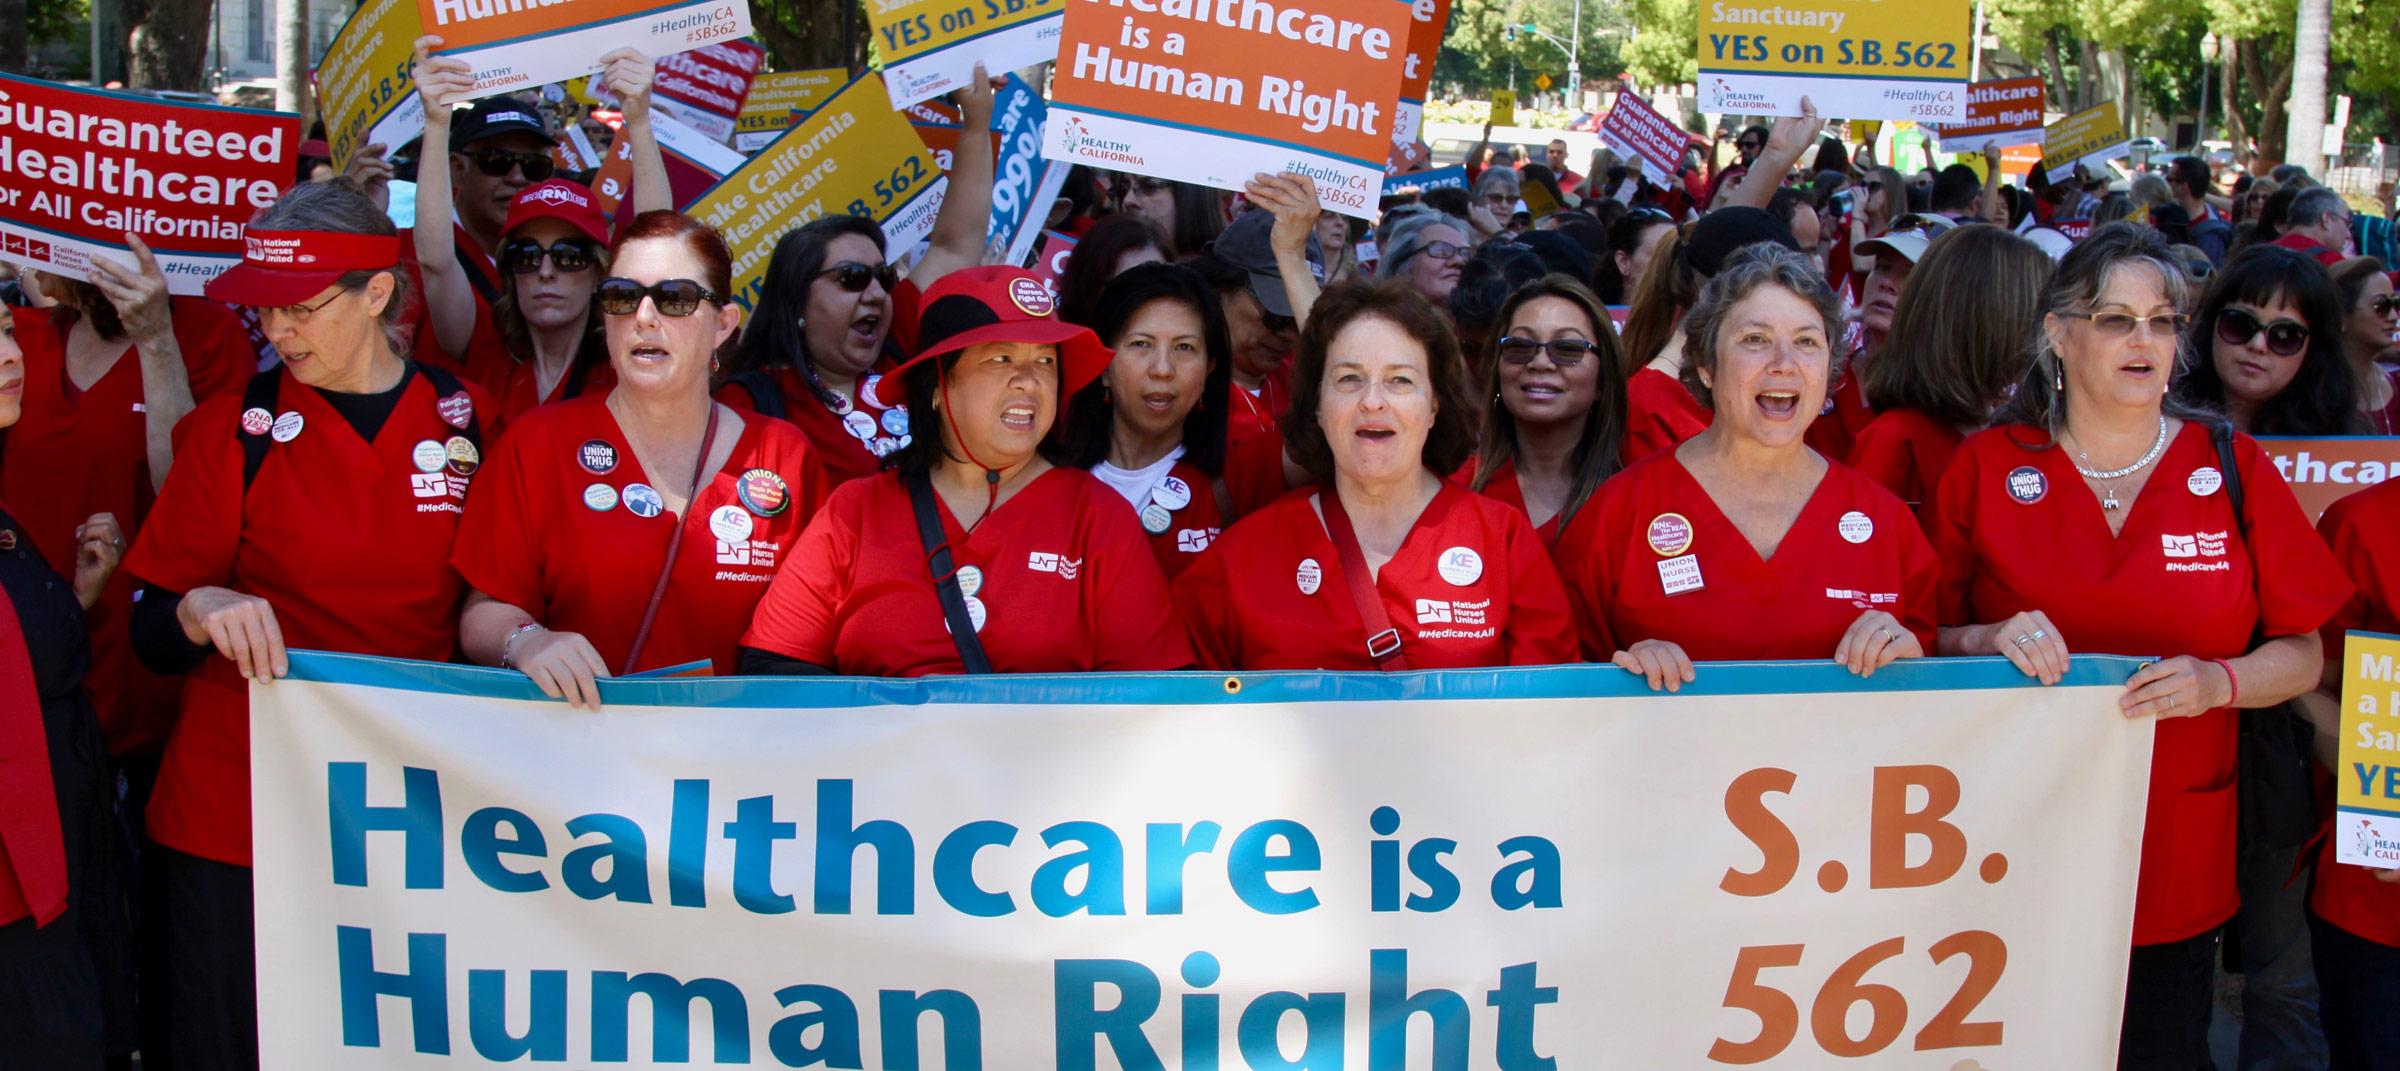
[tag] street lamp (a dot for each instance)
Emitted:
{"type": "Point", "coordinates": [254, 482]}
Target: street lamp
{"type": "Point", "coordinates": [2209, 51]}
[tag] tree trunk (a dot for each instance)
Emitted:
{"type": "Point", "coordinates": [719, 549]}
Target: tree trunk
{"type": "Point", "coordinates": [167, 45]}
{"type": "Point", "coordinates": [2055, 66]}
{"type": "Point", "coordinates": [2229, 101]}
{"type": "Point", "coordinates": [15, 44]}
{"type": "Point", "coordinates": [2304, 141]}
{"type": "Point", "coordinates": [2270, 86]}
{"type": "Point", "coordinates": [2088, 86]}
{"type": "Point", "coordinates": [811, 33]}
{"type": "Point", "coordinates": [291, 56]}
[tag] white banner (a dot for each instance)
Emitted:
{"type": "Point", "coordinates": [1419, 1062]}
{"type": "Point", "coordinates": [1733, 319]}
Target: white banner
{"type": "Point", "coordinates": [1932, 869]}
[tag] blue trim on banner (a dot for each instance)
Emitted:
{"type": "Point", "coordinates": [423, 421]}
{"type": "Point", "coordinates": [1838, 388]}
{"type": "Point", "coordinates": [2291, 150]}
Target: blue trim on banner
{"type": "Point", "coordinates": [2352, 808]}
{"type": "Point", "coordinates": [1862, 76]}
{"type": "Point", "coordinates": [228, 259]}
{"type": "Point", "coordinates": [2370, 635]}
{"type": "Point", "coordinates": [970, 38]}
{"type": "Point", "coordinates": [138, 98]}
{"type": "Point", "coordinates": [1145, 120]}
{"type": "Point", "coordinates": [1196, 688]}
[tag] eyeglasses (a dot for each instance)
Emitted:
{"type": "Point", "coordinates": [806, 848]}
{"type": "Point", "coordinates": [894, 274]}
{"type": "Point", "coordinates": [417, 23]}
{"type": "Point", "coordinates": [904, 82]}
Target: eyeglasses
{"type": "Point", "coordinates": [620, 296]}
{"type": "Point", "coordinates": [523, 256]}
{"type": "Point", "coordinates": [299, 314]}
{"type": "Point", "coordinates": [2384, 306]}
{"type": "Point", "coordinates": [1564, 352]}
{"type": "Point", "coordinates": [1873, 184]}
{"type": "Point", "coordinates": [2285, 338]}
{"type": "Point", "coordinates": [497, 162]}
{"type": "Point", "coordinates": [853, 276]}
{"type": "Point", "coordinates": [1441, 250]}
{"type": "Point", "coordinates": [2121, 324]}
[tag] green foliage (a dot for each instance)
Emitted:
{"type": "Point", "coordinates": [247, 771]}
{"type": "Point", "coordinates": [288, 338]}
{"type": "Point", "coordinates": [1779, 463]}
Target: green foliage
{"type": "Point", "coordinates": [1477, 54]}
{"type": "Point", "coordinates": [1666, 42]}
{"type": "Point", "coordinates": [56, 20]}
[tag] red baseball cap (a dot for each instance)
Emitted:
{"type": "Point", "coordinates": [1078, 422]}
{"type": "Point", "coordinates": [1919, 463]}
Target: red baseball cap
{"type": "Point", "coordinates": [559, 199]}
{"type": "Point", "coordinates": [997, 304]}
{"type": "Point", "coordinates": [289, 267]}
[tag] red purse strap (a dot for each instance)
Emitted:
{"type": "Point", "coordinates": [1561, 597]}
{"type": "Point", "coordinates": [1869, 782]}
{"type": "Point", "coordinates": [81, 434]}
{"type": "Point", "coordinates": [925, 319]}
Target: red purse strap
{"type": "Point", "coordinates": [1383, 641]}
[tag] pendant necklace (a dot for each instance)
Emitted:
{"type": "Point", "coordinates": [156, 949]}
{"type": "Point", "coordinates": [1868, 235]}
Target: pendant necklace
{"type": "Point", "coordinates": [2108, 499]}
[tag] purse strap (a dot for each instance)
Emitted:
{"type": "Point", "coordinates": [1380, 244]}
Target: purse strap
{"type": "Point", "coordinates": [945, 576]}
{"type": "Point", "coordinates": [1383, 641]}
{"type": "Point", "coordinates": [658, 590]}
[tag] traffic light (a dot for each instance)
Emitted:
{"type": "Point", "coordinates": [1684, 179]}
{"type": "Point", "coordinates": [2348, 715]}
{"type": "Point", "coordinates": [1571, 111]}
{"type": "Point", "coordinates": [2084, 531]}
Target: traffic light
{"type": "Point", "coordinates": [1508, 32]}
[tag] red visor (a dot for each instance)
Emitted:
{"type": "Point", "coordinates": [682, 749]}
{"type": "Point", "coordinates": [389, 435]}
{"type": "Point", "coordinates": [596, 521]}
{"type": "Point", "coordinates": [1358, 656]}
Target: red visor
{"type": "Point", "coordinates": [289, 267]}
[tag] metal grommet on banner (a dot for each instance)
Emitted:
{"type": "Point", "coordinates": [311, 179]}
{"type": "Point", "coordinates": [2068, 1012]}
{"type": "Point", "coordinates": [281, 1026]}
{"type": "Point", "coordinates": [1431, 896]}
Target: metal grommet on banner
{"type": "Point", "coordinates": [1233, 686]}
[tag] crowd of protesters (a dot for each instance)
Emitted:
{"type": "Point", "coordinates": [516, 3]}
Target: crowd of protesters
{"type": "Point", "coordinates": [1801, 406]}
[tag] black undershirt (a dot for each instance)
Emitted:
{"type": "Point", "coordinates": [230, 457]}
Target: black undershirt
{"type": "Point", "coordinates": [367, 412]}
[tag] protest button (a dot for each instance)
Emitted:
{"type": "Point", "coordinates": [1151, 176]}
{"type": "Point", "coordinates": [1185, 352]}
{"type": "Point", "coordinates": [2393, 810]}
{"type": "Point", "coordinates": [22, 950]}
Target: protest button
{"type": "Point", "coordinates": [515, 45]}
{"type": "Point", "coordinates": [1428, 20]}
{"type": "Point", "coordinates": [79, 168]}
{"type": "Point", "coordinates": [2005, 113]}
{"type": "Point", "coordinates": [930, 47]}
{"type": "Point", "coordinates": [2322, 471]}
{"type": "Point", "coordinates": [779, 99]}
{"type": "Point", "coordinates": [363, 89]}
{"type": "Point", "coordinates": [1879, 60]}
{"type": "Point", "coordinates": [854, 154]}
{"type": "Point", "coordinates": [708, 86]}
{"type": "Point", "coordinates": [1635, 129]}
{"type": "Point", "coordinates": [1215, 94]}
{"type": "Point", "coordinates": [2092, 136]}
{"type": "Point", "coordinates": [2367, 779]}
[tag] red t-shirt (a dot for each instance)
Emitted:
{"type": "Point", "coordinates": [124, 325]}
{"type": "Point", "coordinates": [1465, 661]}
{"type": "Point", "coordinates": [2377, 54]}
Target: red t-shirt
{"type": "Point", "coordinates": [2301, 243]}
{"type": "Point", "coordinates": [2364, 531]}
{"type": "Point", "coordinates": [1659, 413]}
{"type": "Point", "coordinates": [1844, 415]}
{"type": "Point", "coordinates": [348, 540]}
{"type": "Point", "coordinates": [844, 453]}
{"type": "Point", "coordinates": [1906, 451]}
{"type": "Point", "coordinates": [556, 529]}
{"type": "Point", "coordinates": [1063, 576]}
{"type": "Point", "coordinates": [1257, 414]}
{"type": "Point", "coordinates": [1470, 587]}
{"type": "Point", "coordinates": [515, 385]}
{"type": "Point", "coordinates": [1652, 557]}
{"type": "Point", "coordinates": [2017, 529]}
{"type": "Point", "coordinates": [76, 453]}
{"type": "Point", "coordinates": [412, 325]}
{"type": "Point", "coordinates": [1189, 514]}
{"type": "Point", "coordinates": [1504, 489]}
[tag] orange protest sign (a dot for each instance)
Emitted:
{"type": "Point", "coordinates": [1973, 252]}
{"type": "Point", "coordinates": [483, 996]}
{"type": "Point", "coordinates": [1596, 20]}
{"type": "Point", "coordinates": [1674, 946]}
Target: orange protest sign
{"type": "Point", "coordinates": [1428, 21]}
{"type": "Point", "coordinates": [2324, 471]}
{"type": "Point", "coordinates": [1215, 93]}
{"type": "Point", "coordinates": [2004, 113]}
{"type": "Point", "coordinates": [519, 44]}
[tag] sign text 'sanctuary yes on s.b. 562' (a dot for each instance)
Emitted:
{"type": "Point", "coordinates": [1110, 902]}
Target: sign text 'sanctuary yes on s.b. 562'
{"type": "Point", "coordinates": [1853, 59]}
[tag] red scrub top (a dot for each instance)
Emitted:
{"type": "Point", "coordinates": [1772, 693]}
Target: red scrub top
{"type": "Point", "coordinates": [1652, 557]}
{"type": "Point", "coordinates": [1659, 413]}
{"type": "Point", "coordinates": [1066, 584]}
{"type": "Point", "coordinates": [2364, 531]}
{"type": "Point", "coordinates": [412, 306]}
{"type": "Point", "coordinates": [1905, 450]}
{"type": "Point", "coordinates": [1188, 517]}
{"type": "Point", "coordinates": [76, 453]}
{"type": "Point", "coordinates": [515, 385]}
{"type": "Point", "coordinates": [1844, 415]}
{"type": "Point", "coordinates": [844, 453]}
{"type": "Point", "coordinates": [1257, 414]}
{"type": "Point", "coordinates": [1470, 587]}
{"type": "Point", "coordinates": [348, 540]}
{"type": "Point", "coordinates": [1504, 489]}
{"type": "Point", "coordinates": [552, 531]}
{"type": "Point", "coordinates": [2017, 529]}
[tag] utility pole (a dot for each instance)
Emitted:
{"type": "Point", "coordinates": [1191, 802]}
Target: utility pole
{"type": "Point", "coordinates": [1575, 61]}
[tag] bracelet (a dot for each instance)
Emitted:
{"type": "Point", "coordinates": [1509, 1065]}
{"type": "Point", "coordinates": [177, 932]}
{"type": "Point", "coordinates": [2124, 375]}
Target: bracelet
{"type": "Point", "coordinates": [511, 641]}
{"type": "Point", "coordinates": [2234, 683]}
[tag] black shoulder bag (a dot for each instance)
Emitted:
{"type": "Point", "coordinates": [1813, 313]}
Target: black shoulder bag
{"type": "Point", "coordinates": [2278, 805]}
{"type": "Point", "coordinates": [945, 575]}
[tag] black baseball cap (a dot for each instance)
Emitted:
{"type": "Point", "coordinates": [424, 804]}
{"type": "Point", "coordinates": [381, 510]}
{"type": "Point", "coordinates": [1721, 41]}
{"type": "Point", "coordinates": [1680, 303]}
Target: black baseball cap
{"type": "Point", "coordinates": [1246, 244]}
{"type": "Point", "coordinates": [1719, 233]}
{"type": "Point", "coordinates": [492, 117]}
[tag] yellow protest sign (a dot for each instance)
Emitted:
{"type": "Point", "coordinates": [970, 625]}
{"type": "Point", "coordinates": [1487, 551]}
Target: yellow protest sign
{"type": "Point", "coordinates": [853, 154]}
{"type": "Point", "coordinates": [1867, 129]}
{"type": "Point", "coordinates": [1876, 60]}
{"type": "Point", "coordinates": [930, 47]}
{"type": "Point", "coordinates": [774, 99]}
{"type": "Point", "coordinates": [2367, 779]}
{"type": "Point", "coordinates": [1504, 107]}
{"type": "Point", "coordinates": [363, 88]}
{"type": "Point", "coordinates": [2090, 136]}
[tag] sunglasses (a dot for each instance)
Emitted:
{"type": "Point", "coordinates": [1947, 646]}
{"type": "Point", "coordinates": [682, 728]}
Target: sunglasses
{"type": "Point", "coordinates": [1650, 213]}
{"type": "Point", "coordinates": [620, 296]}
{"type": "Point", "coordinates": [497, 163]}
{"type": "Point", "coordinates": [2384, 306]}
{"type": "Point", "coordinates": [523, 256]}
{"type": "Point", "coordinates": [853, 276]}
{"type": "Point", "coordinates": [2285, 338]}
{"type": "Point", "coordinates": [1564, 352]}
{"type": "Point", "coordinates": [2121, 324]}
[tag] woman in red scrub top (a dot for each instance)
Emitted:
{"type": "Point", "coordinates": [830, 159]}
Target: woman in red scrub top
{"type": "Point", "coordinates": [1385, 564]}
{"type": "Point", "coordinates": [975, 552]}
{"type": "Point", "coordinates": [1558, 412]}
{"type": "Point", "coordinates": [816, 344]}
{"type": "Point", "coordinates": [1744, 543]}
{"type": "Point", "coordinates": [313, 507]}
{"type": "Point", "coordinates": [539, 341]}
{"type": "Point", "coordinates": [1949, 360]}
{"type": "Point", "coordinates": [634, 530]}
{"type": "Point", "coordinates": [2097, 515]}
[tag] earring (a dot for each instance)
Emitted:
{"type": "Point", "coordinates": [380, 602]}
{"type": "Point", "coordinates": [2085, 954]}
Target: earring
{"type": "Point", "coordinates": [800, 321]}
{"type": "Point", "coordinates": [2058, 377]}
{"type": "Point", "coordinates": [714, 366]}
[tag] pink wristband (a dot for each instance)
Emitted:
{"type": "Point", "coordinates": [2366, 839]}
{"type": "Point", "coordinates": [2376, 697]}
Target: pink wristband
{"type": "Point", "coordinates": [2233, 683]}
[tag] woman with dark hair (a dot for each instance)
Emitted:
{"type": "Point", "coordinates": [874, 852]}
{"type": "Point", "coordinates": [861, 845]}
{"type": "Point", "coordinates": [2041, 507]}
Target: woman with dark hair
{"type": "Point", "coordinates": [1390, 566]}
{"type": "Point", "coordinates": [829, 301]}
{"type": "Point", "coordinates": [2266, 348]}
{"type": "Point", "coordinates": [2101, 511]}
{"type": "Point", "coordinates": [1947, 364]}
{"type": "Point", "coordinates": [1558, 404]}
{"type": "Point", "coordinates": [1107, 250]}
{"type": "Point", "coordinates": [1742, 542]}
{"type": "Point", "coordinates": [1632, 240]}
{"type": "Point", "coordinates": [634, 530]}
{"type": "Point", "coordinates": [314, 507]}
{"type": "Point", "coordinates": [2368, 331]}
{"type": "Point", "coordinates": [980, 550]}
{"type": "Point", "coordinates": [1191, 215]}
{"type": "Point", "coordinates": [1659, 411]}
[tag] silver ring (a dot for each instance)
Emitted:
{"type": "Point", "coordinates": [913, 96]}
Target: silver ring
{"type": "Point", "coordinates": [2170, 702]}
{"type": "Point", "coordinates": [1884, 630]}
{"type": "Point", "coordinates": [2022, 640]}
{"type": "Point", "coordinates": [2038, 634]}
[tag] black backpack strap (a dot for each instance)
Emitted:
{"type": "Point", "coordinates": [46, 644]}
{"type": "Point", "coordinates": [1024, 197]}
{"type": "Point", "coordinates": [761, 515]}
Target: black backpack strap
{"type": "Point", "coordinates": [262, 392]}
{"type": "Point", "coordinates": [765, 400]}
{"type": "Point", "coordinates": [945, 576]}
{"type": "Point", "coordinates": [2222, 434]}
{"type": "Point", "coordinates": [445, 385]}
{"type": "Point", "coordinates": [478, 276]}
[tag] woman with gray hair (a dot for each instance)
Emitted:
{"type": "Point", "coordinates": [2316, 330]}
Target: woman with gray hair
{"type": "Point", "coordinates": [1426, 250]}
{"type": "Point", "coordinates": [1742, 542]}
{"type": "Point", "coordinates": [2051, 533]}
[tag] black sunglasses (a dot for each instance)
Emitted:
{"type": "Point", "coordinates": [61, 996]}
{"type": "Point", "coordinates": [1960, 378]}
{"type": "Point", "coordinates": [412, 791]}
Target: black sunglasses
{"type": "Point", "coordinates": [2384, 305]}
{"type": "Point", "coordinates": [523, 256]}
{"type": "Point", "coordinates": [1647, 212]}
{"type": "Point", "coordinates": [2285, 338]}
{"type": "Point", "coordinates": [620, 296]}
{"type": "Point", "coordinates": [1564, 352]}
{"type": "Point", "coordinates": [497, 162]}
{"type": "Point", "coordinates": [853, 276]}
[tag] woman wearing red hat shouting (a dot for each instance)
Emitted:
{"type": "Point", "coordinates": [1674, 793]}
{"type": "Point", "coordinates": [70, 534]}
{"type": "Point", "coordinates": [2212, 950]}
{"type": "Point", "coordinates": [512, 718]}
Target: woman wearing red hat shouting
{"type": "Point", "coordinates": [314, 507]}
{"type": "Point", "coordinates": [975, 553]}
{"type": "Point", "coordinates": [540, 340]}
{"type": "Point", "coordinates": [634, 530]}
{"type": "Point", "coordinates": [1384, 565]}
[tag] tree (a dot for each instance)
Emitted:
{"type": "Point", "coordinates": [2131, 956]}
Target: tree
{"type": "Point", "coordinates": [1666, 42]}
{"type": "Point", "coordinates": [291, 57]}
{"type": "Point", "coordinates": [2258, 37]}
{"type": "Point", "coordinates": [811, 33]}
{"type": "Point", "coordinates": [166, 42]}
